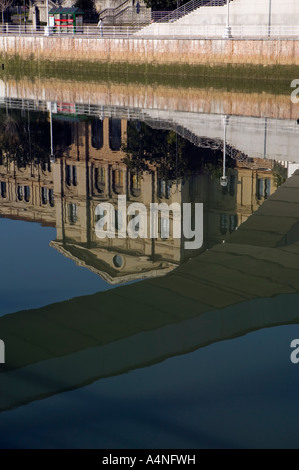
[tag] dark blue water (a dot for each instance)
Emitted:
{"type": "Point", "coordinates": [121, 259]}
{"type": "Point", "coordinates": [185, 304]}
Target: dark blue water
{"type": "Point", "coordinates": [232, 394]}
{"type": "Point", "coordinates": [40, 274]}
{"type": "Point", "coordinates": [143, 344]}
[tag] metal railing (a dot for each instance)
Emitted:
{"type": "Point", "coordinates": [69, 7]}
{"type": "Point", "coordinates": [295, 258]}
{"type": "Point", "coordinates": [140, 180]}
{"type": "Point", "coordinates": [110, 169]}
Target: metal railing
{"type": "Point", "coordinates": [161, 31]}
{"type": "Point", "coordinates": [158, 15]}
{"type": "Point", "coordinates": [106, 31]}
{"type": "Point", "coordinates": [194, 31]}
{"type": "Point", "coordinates": [189, 7]}
{"type": "Point", "coordinates": [112, 12]}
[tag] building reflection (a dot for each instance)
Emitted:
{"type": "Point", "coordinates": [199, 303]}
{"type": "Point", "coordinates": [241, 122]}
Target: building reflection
{"type": "Point", "coordinates": [90, 169]}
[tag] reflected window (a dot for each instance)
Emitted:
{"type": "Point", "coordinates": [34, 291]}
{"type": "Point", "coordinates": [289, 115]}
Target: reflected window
{"type": "Point", "coordinates": [51, 197]}
{"type": "Point", "coordinates": [164, 189]}
{"type": "Point", "coordinates": [44, 196]}
{"type": "Point", "coordinates": [263, 188]}
{"type": "Point", "coordinates": [26, 193]}
{"type": "Point", "coordinates": [118, 261]}
{"type": "Point", "coordinates": [100, 178]}
{"type": "Point", "coordinates": [97, 134]}
{"type": "Point", "coordinates": [267, 187]}
{"type": "Point", "coordinates": [45, 165]}
{"type": "Point", "coordinates": [74, 168]}
{"type": "Point", "coordinates": [20, 193]}
{"type": "Point", "coordinates": [260, 188]}
{"type": "Point", "coordinates": [3, 189]}
{"type": "Point", "coordinates": [68, 175]}
{"type": "Point", "coordinates": [71, 175]}
{"type": "Point", "coordinates": [136, 185]}
{"type": "Point", "coordinates": [115, 134]}
{"type": "Point", "coordinates": [164, 227]}
{"type": "Point", "coordinates": [233, 222]}
{"type": "Point", "coordinates": [73, 213]}
{"type": "Point", "coordinates": [232, 184]}
{"type": "Point", "coordinates": [118, 181]}
{"type": "Point", "coordinates": [223, 223]}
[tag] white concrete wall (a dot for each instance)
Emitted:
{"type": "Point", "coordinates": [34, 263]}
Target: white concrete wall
{"type": "Point", "coordinates": [245, 15]}
{"type": "Point", "coordinates": [273, 139]}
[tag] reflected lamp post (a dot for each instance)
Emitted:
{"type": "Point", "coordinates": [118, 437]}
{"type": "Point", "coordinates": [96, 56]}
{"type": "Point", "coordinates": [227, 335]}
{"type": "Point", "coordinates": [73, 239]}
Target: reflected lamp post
{"type": "Point", "coordinates": [52, 156]}
{"type": "Point", "coordinates": [223, 178]}
{"type": "Point", "coordinates": [228, 31]}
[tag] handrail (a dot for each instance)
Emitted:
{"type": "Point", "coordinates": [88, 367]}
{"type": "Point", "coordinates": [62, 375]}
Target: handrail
{"type": "Point", "coordinates": [122, 11]}
{"type": "Point", "coordinates": [113, 11]}
{"type": "Point", "coordinates": [189, 7]}
{"type": "Point", "coordinates": [174, 31]}
{"type": "Point", "coordinates": [159, 14]}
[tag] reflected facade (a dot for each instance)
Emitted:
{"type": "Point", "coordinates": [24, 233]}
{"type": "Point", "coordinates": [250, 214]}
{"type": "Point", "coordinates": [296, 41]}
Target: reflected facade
{"type": "Point", "coordinates": [92, 167]}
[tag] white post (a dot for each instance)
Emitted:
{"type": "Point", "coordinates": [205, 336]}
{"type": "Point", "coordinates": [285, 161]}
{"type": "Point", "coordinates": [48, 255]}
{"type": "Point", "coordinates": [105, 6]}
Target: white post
{"type": "Point", "coordinates": [223, 179]}
{"type": "Point", "coordinates": [228, 31]}
{"type": "Point", "coordinates": [47, 28]}
{"type": "Point", "coordinates": [51, 133]}
{"type": "Point", "coordinates": [269, 18]}
{"type": "Point", "coordinates": [52, 156]}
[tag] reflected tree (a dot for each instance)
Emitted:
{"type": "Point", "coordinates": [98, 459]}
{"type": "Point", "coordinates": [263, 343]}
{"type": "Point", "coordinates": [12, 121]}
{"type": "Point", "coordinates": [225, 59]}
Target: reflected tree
{"type": "Point", "coordinates": [22, 140]}
{"type": "Point", "coordinates": [4, 5]}
{"type": "Point", "coordinates": [173, 156]}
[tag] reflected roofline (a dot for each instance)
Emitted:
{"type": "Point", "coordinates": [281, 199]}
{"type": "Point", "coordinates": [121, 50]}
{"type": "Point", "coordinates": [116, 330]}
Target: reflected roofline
{"type": "Point", "coordinates": [104, 275]}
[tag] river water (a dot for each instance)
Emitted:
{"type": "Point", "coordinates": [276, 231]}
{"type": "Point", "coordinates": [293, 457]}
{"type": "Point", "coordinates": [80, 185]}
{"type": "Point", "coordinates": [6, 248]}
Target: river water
{"type": "Point", "coordinates": [124, 340]}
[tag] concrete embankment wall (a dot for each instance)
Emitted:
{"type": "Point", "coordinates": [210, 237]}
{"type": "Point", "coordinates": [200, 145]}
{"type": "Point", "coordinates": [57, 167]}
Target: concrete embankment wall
{"type": "Point", "coordinates": [154, 51]}
{"type": "Point", "coordinates": [154, 97]}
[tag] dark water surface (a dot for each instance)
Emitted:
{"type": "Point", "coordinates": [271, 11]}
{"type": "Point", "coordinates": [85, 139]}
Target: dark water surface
{"type": "Point", "coordinates": [143, 342]}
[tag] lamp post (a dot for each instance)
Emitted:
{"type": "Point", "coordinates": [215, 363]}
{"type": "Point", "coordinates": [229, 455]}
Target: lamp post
{"type": "Point", "coordinates": [228, 31]}
{"type": "Point", "coordinates": [269, 18]}
{"type": "Point", "coordinates": [47, 28]}
{"type": "Point", "coordinates": [24, 6]}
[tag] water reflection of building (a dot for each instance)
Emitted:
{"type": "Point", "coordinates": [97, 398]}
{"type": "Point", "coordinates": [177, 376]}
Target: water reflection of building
{"type": "Point", "coordinates": [91, 170]}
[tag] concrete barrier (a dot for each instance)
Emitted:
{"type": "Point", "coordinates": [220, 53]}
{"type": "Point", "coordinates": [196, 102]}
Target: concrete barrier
{"type": "Point", "coordinates": [209, 52]}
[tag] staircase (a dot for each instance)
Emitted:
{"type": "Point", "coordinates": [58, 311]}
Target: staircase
{"type": "Point", "coordinates": [168, 24]}
{"type": "Point", "coordinates": [189, 7]}
{"type": "Point", "coordinates": [247, 19]}
{"type": "Point", "coordinates": [126, 14]}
